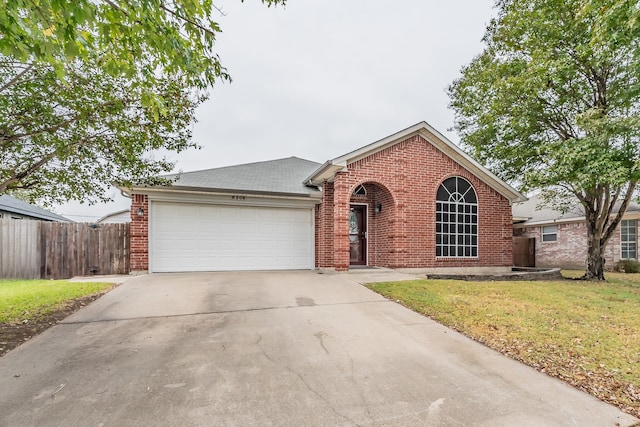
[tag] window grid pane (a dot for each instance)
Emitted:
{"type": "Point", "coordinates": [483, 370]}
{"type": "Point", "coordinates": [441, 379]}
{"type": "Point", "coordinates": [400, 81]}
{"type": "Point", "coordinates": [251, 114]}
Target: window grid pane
{"type": "Point", "coordinates": [456, 219]}
{"type": "Point", "coordinates": [628, 239]}
{"type": "Point", "coordinates": [550, 233]}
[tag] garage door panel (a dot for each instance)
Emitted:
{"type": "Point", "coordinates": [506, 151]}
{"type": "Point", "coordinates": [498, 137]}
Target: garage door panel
{"type": "Point", "coordinates": [189, 237]}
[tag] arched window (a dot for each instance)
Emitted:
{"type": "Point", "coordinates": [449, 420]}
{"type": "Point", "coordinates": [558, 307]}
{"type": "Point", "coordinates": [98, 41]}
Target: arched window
{"type": "Point", "coordinates": [360, 191]}
{"type": "Point", "coordinates": [456, 219]}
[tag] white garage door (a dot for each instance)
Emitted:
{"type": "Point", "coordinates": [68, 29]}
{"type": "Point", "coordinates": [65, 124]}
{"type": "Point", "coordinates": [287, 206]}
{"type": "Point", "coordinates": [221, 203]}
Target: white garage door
{"type": "Point", "coordinates": [188, 237]}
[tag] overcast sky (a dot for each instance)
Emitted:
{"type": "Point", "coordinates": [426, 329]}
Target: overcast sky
{"type": "Point", "coordinates": [319, 78]}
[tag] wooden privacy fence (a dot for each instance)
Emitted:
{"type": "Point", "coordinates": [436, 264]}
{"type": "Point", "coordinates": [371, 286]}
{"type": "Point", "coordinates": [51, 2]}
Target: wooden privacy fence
{"type": "Point", "coordinates": [57, 250]}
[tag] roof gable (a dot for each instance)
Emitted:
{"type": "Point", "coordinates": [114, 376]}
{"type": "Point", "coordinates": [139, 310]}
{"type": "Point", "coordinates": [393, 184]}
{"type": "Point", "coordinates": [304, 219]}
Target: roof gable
{"type": "Point", "coordinates": [327, 171]}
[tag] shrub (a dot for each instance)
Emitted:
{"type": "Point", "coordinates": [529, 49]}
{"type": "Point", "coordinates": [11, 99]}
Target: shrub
{"type": "Point", "coordinates": [628, 266]}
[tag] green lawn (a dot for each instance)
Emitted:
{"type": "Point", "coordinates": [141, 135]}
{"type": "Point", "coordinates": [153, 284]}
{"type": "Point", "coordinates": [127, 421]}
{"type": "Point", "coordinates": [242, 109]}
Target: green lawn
{"type": "Point", "coordinates": [585, 333]}
{"type": "Point", "coordinates": [29, 299]}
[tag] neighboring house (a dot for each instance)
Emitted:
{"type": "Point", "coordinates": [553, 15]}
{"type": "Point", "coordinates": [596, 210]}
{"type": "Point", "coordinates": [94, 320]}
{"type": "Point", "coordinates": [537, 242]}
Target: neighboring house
{"type": "Point", "coordinates": [119, 217]}
{"type": "Point", "coordinates": [561, 239]}
{"type": "Point", "coordinates": [412, 200]}
{"type": "Point", "coordinates": [12, 208]}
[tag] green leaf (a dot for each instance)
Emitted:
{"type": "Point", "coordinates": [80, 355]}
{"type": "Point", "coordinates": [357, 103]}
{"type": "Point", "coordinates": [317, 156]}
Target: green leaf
{"type": "Point", "coordinates": [69, 132]}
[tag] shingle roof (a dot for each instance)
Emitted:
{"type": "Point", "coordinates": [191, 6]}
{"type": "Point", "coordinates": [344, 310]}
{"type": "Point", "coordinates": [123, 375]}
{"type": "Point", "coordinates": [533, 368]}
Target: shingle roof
{"type": "Point", "coordinates": [538, 213]}
{"type": "Point", "coordinates": [11, 204]}
{"type": "Point", "coordinates": [282, 176]}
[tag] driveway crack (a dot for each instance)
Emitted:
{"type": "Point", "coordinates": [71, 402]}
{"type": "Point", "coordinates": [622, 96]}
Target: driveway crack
{"type": "Point", "coordinates": [352, 377]}
{"type": "Point", "coordinates": [320, 335]}
{"type": "Point", "coordinates": [205, 313]}
{"type": "Point", "coordinates": [306, 384]}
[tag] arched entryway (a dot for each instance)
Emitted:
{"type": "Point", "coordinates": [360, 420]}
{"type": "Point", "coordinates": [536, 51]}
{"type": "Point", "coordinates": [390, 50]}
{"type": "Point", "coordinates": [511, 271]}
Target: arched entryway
{"type": "Point", "coordinates": [371, 225]}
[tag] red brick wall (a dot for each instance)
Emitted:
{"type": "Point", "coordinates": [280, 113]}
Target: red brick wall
{"type": "Point", "coordinates": [383, 247]}
{"type": "Point", "coordinates": [380, 224]}
{"type": "Point", "coordinates": [406, 177]}
{"type": "Point", "coordinates": [341, 197]}
{"type": "Point", "coordinates": [570, 250]}
{"type": "Point", "coordinates": [324, 227]}
{"type": "Point", "coordinates": [139, 233]}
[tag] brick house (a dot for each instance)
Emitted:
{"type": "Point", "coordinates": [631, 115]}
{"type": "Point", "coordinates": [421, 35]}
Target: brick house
{"type": "Point", "coordinates": [412, 200]}
{"type": "Point", "coordinates": [561, 238]}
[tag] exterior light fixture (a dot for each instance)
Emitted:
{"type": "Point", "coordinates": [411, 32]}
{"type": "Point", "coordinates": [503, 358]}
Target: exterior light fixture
{"type": "Point", "coordinates": [140, 212]}
{"type": "Point", "coordinates": [378, 208]}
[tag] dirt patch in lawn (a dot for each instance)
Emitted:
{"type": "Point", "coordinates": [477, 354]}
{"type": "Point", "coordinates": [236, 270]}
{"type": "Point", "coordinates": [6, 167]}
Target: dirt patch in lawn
{"type": "Point", "coordinates": [12, 334]}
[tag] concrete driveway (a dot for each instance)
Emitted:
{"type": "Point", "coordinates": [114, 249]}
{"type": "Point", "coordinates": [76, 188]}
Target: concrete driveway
{"type": "Point", "coordinates": [285, 349]}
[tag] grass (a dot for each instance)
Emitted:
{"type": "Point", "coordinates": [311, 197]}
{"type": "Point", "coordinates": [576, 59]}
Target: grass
{"type": "Point", "coordinates": [610, 276]}
{"type": "Point", "coordinates": [30, 299]}
{"type": "Point", "coordinates": [585, 333]}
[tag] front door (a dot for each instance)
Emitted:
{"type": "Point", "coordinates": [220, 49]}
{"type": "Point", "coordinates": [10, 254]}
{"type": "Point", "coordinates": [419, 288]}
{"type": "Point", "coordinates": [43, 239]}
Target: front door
{"type": "Point", "coordinates": [358, 235]}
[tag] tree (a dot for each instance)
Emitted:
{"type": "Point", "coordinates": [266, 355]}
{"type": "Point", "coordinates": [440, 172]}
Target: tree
{"type": "Point", "coordinates": [69, 139]}
{"type": "Point", "coordinates": [131, 37]}
{"type": "Point", "coordinates": [89, 89]}
{"type": "Point", "coordinates": [553, 103]}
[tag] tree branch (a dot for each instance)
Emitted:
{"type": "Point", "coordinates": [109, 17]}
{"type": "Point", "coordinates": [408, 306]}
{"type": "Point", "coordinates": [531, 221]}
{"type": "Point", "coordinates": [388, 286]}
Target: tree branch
{"type": "Point", "coordinates": [187, 20]}
{"type": "Point", "coordinates": [51, 129]}
{"type": "Point", "coordinates": [55, 128]}
{"type": "Point", "coordinates": [623, 208]}
{"type": "Point", "coordinates": [613, 201]}
{"type": "Point", "coordinates": [15, 78]}
{"type": "Point", "coordinates": [17, 177]}
{"type": "Point", "coordinates": [21, 176]}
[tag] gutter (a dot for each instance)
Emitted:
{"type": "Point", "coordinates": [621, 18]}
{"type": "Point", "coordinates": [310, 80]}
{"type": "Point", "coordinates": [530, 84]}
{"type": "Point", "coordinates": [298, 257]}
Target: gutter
{"type": "Point", "coordinates": [324, 173]}
{"type": "Point", "coordinates": [217, 191]}
{"type": "Point", "coordinates": [552, 221]}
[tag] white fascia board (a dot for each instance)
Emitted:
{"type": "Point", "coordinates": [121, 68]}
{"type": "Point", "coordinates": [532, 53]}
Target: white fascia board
{"type": "Point", "coordinates": [204, 191]}
{"type": "Point", "coordinates": [550, 222]}
{"type": "Point", "coordinates": [326, 172]}
{"type": "Point", "coordinates": [234, 199]}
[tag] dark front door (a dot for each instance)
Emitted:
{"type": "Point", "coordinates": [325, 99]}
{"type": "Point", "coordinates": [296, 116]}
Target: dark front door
{"type": "Point", "coordinates": [358, 235]}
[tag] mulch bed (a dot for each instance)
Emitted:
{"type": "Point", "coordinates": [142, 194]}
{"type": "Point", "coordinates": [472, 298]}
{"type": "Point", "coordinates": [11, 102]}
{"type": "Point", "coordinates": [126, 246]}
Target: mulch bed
{"type": "Point", "coordinates": [13, 334]}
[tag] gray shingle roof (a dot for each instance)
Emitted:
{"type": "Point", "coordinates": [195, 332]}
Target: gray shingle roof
{"type": "Point", "coordinates": [11, 204]}
{"type": "Point", "coordinates": [282, 176]}
{"type": "Point", "coordinates": [538, 213]}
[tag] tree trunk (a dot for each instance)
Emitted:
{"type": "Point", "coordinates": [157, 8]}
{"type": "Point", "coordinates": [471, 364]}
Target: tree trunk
{"type": "Point", "coordinates": [595, 264]}
{"type": "Point", "coordinates": [595, 251]}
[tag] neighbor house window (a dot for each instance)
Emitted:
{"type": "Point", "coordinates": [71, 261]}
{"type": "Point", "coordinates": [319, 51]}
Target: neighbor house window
{"type": "Point", "coordinates": [550, 233]}
{"type": "Point", "coordinates": [456, 219]}
{"type": "Point", "coordinates": [628, 239]}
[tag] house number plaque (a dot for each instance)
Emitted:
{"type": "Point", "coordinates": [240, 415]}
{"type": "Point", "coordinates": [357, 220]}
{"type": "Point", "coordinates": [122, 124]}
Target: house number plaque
{"type": "Point", "coordinates": [238, 197]}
